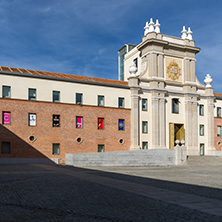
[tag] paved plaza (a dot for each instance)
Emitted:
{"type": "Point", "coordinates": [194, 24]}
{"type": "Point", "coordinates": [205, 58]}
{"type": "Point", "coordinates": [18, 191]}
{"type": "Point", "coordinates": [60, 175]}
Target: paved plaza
{"type": "Point", "coordinates": [64, 193]}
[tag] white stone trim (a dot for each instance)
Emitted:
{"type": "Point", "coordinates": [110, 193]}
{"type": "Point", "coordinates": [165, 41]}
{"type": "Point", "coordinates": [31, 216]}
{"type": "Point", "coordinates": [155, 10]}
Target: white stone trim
{"type": "Point", "coordinates": [145, 55]}
{"type": "Point", "coordinates": [134, 96]}
{"type": "Point", "coordinates": [210, 104]}
{"type": "Point", "coordinates": [152, 52]}
{"type": "Point", "coordinates": [157, 98]}
{"type": "Point", "coordinates": [191, 83]}
{"type": "Point", "coordinates": [189, 58]}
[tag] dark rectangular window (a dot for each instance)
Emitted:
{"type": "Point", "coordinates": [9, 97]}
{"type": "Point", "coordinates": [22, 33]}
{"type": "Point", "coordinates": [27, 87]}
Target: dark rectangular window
{"type": "Point", "coordinates": [201, 130]}
{"type": "Point", "coordinates": [6, 91]}
{"type": "Point", "coordinates": [121, 102]}
{"type": "Point", "coordinates": [101, 148]}
{"type": "Point", "coordinates": [6, 148]}
{"type": "Point", "coordinates": [144, 127]}
{"type": "Point", "coordinates": [32, 94]}
{"type": "Point", "coordinates": [101, 101]}
{"type": "Point", "coordinates": [121, 124]}
{"type": "Point", "coordinates": [32, 119]}
{"type": "Point", "coordinates": [55, 120]}
{"type": "Point", "coordinates": [218, 111]}
{"type": "Point", "coordinates": [6, 118]}
{"type": "Point", "coordinates": [56, 96]}
{"type": "Point", "coordinates": [144, 104]}
{"type": "Point", "coordinates": [202, 149]}
{"type": "Point", "coordinates": [79, 122]}
{"type": "Point", "coordinates": [144, 145]}
{"type": "Point", "coordinates": [56, 148]}
{"type": "Point", "coordinates": [201, 110]}
{"type": "Point", "coordinates": [135, 62]}
{"type": "Point", "coordinates": [175, 105]}
{"type": "Point", "coordinates": [100, 123]}
{"type": "Point", "coordinates": [78, 98]}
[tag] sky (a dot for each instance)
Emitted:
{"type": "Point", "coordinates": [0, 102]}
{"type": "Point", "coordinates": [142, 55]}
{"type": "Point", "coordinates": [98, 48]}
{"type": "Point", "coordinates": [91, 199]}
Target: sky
{"type": "Point", "coordinates": [83, 37]}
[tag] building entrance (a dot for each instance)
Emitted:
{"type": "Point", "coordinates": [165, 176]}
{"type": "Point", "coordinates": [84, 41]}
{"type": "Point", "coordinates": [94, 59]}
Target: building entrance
{"type": "Point", "coordinates": [176, 132]}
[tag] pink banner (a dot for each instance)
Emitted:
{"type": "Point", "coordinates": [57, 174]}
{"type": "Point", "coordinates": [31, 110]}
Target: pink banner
{"type": "Point", "coordinates": [78, 122]}
{"type": "Point", "coordinates": [6, 118]}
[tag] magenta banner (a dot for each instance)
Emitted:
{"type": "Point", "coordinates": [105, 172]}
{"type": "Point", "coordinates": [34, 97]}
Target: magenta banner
{"type": "Point", "coordinates": [78, 122]}
{"type": "Point", "coordinates": [6, 118]}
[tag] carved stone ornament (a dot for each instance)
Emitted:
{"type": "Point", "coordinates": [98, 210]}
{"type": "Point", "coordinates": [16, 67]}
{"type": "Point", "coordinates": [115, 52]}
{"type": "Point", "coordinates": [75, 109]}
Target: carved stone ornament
{"type": "Point", "coordinates": [208, 80]}
{"type": "Point", "coordinates": [144, 66]}
{"type": "Point", "coordinates": [173, 71]}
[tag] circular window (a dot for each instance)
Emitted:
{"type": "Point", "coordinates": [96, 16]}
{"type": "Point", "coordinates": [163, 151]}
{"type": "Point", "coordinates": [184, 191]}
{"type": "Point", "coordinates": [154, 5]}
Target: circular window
{"type": "Point", "coordinates": [79, 140]}
{"type": "Point", "coordinates": [218, 143]}
{"type": "Point", "coordinates": [121, 141]}
{"type": "Point", "coordinates": [31, 138]}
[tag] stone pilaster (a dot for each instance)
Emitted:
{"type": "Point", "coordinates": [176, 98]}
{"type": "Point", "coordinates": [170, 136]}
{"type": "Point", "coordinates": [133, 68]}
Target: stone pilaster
{"type": "Point", "coordinates": [134, 88]}
{"type": "Point", "coordinates": [153, 64]}
{"type": "Point", "coordinates": [192, 71]}
{"type": "Point", "coordinates": [160, 65]}
{"type": "Point", "coordinates": [155, 122]}
{"type": "Point", "coordinates": [195, 126]}
{"type": "Point", "coordinates": [210, 121]}
{"type": "Point", "coordinates": [158, 122]}
{"type": "Point", "coordinates": [186, 70]}
{"type": "Point", "coordinates": [188, 122]}
{"type": "Point", "coordinates": [162, 122]}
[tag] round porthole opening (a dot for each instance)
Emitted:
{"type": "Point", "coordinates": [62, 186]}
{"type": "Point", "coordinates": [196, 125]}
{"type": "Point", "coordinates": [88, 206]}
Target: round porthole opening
{"type": "Point", "coordinates": [219, 143]}
{"type": "Point", "coordinates": [79, 140]}
{"type": "Point", "coordinates": [31, 138]}
{"type": "Point", "coordinates": [121, 141]}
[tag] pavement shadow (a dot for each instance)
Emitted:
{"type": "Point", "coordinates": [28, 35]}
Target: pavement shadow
{"type": "Point", "coordinates": [19, 149]}
{"type": "Point", "coordinates": [204, 191]}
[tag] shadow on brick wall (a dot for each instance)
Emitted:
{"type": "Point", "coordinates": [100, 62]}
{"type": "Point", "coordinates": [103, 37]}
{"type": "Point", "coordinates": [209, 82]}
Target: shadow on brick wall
{"type": "Point", "coordinates": [20, 151]}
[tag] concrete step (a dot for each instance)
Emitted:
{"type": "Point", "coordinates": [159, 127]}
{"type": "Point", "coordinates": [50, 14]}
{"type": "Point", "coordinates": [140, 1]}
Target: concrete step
{"type": "Point", "coordinates": [204, 160]}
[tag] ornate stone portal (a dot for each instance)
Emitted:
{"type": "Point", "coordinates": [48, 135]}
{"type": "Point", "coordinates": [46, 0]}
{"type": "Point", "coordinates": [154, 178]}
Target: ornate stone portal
{"type": "Point", "coordinates": [166, 80]}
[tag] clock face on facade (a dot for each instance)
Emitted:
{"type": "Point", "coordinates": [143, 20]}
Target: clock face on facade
{"type": "Point", "coordinates": [173, 71]}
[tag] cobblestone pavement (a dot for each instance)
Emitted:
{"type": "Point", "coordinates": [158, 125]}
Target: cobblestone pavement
{"type": "Point", "coordinates": [64, 193]}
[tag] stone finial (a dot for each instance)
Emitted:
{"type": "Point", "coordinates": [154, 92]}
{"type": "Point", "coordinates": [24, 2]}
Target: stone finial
{"type": "Point", "coordinates": [146, 28]}
{"type": "Point", "coordinates": [184, 33]}
{"type": "Point", "coordinates": [151, 25]}
{"type": "Point", "coordinates": [133, 70]}
{"type": "Point", "coordinates": [182, 142]}
{"type": "Point", "coordinates": [177, 142]}
{"type": "Point", "coordinates": [208, 80]}
{"type": "Point", "coordinates": [189, 34]}
{"type": "Point", "coordinates": [157, 26]}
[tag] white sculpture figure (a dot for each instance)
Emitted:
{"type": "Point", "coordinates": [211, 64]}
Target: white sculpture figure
{"type": "Point", "coordinates": [184, 33]}
{"type": "Point", "coordinates": [151, 25]}
{"type": "Point", "coordinates": [146, 28]}
{"type": "Point", "coordinates": [133, 70]}
{"type": "Point", "coordinates": [189, 34]}
{"type": "Point", "coordinates": [157, 26]}
{"type": "Point", "coordinates": [208, 80]}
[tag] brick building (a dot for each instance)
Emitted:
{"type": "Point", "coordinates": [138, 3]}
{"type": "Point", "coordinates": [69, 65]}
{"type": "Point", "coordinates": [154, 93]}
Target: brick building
{"type": "Point", "coordinates": [46, 115]}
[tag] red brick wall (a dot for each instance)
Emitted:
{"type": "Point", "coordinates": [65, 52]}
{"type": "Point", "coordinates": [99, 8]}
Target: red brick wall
{"type": "Point", "coordinates": [18, 132]}
{"type": "Point", "coordinates": [217, 140]}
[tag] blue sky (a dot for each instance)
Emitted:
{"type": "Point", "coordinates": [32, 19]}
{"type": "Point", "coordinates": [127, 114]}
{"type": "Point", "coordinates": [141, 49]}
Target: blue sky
{"type": "Point", "coordinates": [83, 36]}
